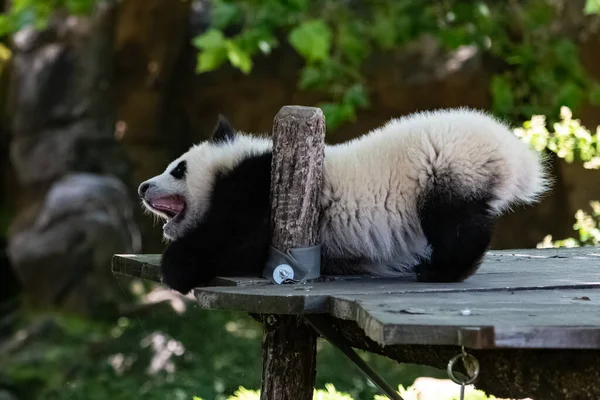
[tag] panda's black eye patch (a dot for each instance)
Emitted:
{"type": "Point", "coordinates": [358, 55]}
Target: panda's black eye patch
{"type": "Point", "coordinates": [180, 170]}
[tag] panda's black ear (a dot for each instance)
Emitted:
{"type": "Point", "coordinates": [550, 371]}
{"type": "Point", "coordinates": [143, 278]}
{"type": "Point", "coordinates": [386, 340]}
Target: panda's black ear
{"type": "Point", "coordinates": [223, 131]}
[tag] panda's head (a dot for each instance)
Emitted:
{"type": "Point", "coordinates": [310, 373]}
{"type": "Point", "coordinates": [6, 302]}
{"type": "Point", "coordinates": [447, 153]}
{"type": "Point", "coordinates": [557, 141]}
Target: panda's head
{"type": "Point", "coordinates": [181, 195]}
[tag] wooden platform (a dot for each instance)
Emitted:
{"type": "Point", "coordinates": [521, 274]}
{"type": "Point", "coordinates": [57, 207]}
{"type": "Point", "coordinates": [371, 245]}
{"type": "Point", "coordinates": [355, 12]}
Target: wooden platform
{"type": "Point", "coordinates": [531, 317]}
{"type": "Point", "coordinates": [542, 298]}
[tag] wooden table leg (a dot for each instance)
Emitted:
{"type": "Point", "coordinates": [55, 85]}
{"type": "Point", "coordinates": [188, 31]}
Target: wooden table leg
{"type": "Point", "coordinates": [289, 359]}
{"type": "Point", "coordinates": [289, 345]}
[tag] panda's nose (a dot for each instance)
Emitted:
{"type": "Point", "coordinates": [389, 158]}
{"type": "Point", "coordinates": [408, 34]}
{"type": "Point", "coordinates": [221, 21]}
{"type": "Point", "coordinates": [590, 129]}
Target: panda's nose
{"type": "Point", "coordinates": [143, 189]}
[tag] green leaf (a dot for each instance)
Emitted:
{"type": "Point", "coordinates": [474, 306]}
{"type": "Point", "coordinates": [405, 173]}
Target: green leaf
{"type": "Point", "coordinates": [538, 14]}
{"type": "Point", "coordinates": [80, 7]}
{"type": "Point", "coordinates": [569, 95]}
{"type": "Point", "coordinates": [502, 95]}
{"type": "Point", "coordinates": [297, 5]}
{"type": "Point", "coordinates": [214, 50]}
{"type": "Point", "coordinates": [592, 7]}
{"type": "Point", "coordinates": [210, 60]}
{"type": "Point", "coordinates": [224, 14]}
{"type": "Point", "coordinates": [310, 77]}
{"type": "Point", "coordinates": [352, 42]}
{"type": "Point", "coordinates": [384, 31]}
{"type": "Point", "coordinates": [312, 39]}
{"type": "Point", "coordinates": [356, 96]}
{"type": "Point", "coordinates": [209, 40]}
{"type": "Point", "coordinates": [7, 25]}
{"type": "Point", "coordinates": [27, 18]}
{"type": "Point", "coordinates": [595, 94]}
{"type": "Point", "coordinates": [238, 57]}
{"type": "Point", "coordinates": [260, 38]}
{"type": "Point", "coordinates": [337, 114]}
{"type": "Point", "coordinates": [565, 50]}
{"type": "Point", "coordinates": [455, 37]}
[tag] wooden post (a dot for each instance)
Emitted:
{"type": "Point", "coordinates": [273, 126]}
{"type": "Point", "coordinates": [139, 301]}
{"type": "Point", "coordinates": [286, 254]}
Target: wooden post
{"type": "Point", "coordinates": [289, 346]}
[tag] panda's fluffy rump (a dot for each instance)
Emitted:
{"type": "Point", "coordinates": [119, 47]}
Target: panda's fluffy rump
{"type": "Point", "coordinates": [377, 185]}
{"type": "Point", "coordinates": [462, 152]}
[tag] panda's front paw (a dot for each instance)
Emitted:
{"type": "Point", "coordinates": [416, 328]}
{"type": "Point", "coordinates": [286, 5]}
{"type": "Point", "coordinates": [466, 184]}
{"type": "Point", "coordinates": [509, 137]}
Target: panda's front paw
{"type": "Point", "coordinates": [182, 268]}
{"type": "Point", "coordinates": [176, 274]}
{"type": "Point", "coordinates": [176, 281]}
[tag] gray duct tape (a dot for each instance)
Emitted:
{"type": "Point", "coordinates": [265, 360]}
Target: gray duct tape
{"type": "Point", "coordinates": [296, 265]}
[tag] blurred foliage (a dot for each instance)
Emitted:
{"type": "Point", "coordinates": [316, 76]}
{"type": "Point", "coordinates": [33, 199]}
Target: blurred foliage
{"type": "Point", "coordinates": [335, 39]}
{"type": "Point", "coordinates": [410, 393]}
{"type": "Point", "coordinates": [572, 142]}
{"type": "Point", "coordinates": [587, 227]}
{"type": "Point", "coordinates": [331, 393]}
{"type": "Point", "coordinates": [172, 352]}
{"type": "Point", "coordinates": [592, 7]}
{"type": "Point", "coordinates": [36, 13]}
{"type": "Point", "coordinates": [569, 140]}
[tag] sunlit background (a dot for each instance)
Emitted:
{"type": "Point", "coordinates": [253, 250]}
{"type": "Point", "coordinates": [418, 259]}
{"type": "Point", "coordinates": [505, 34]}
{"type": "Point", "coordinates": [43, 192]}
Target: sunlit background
{"type": "Point", "coordinates": [97, 96]}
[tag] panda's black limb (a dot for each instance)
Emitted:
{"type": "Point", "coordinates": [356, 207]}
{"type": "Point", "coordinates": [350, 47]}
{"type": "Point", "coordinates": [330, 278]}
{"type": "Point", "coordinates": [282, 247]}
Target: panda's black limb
{"type": "Point", "coordinates": [233, 237]}
{"type": "Point", "coordinates": [459, 232]}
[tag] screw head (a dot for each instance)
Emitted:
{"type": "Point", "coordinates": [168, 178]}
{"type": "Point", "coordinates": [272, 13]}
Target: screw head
{"type": "Point", "coordinates": [283, 272]}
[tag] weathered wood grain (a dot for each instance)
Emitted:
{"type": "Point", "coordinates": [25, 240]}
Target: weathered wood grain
{"type": "Point", "coordinates": [558, 263]}
{"type": "Point", "coordinates": [145, 266]}
{"type": "Point", "coordinates": [289, 345]}
{"type": "Point", "coordinates": [548, 374]}
{"type": "Point", "coordinates": [551, 319]}
{"type": "Point", "coordinates": [540, 340]}
{"type": "Point", "coordinates": [513, 318]}
{"type": "Point", "coordinates": [545, 270]}
{"type": "Point", "coordinates": [314, 297]}
{"type": "Point", "coordinates": [297, 176]}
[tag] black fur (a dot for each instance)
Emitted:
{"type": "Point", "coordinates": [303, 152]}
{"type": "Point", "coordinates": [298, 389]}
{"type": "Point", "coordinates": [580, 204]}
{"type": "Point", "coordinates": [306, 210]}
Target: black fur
{"type": "Point", "coordinates": [180, 170]}
{"type": "Point", "coordinates": [459, 231]}
{"type": "Point", "coordinates": [223, 132]}
{"type": "Point", "coordinates": [234, 236]}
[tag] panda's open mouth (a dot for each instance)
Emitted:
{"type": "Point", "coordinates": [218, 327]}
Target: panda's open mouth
{"type": "Point", "coordinates": [170, 206]}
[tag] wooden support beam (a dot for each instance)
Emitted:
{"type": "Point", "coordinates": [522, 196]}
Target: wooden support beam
{"type": "Point", "coordinates": [289, 345]}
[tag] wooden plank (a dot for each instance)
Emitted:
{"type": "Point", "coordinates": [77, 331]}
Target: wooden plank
{"type": "Point", "coordinates": [587, 251]}
{"type": "Point", "coordinates": [145, 266]}
{"type": "Point", "coordinates": [528, 319]}
{"type": "Point", "coordinates": [542, 261]}
{"type": "Point", "coordinates": [240, 282]}
{"type": "Point", "coordinates": [314, 297]}
{"type": "Point", "coordinates": [548, 374]}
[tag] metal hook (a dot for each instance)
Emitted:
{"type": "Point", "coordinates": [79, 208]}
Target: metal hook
{"type": "Point", "coordinates": [470, 363]}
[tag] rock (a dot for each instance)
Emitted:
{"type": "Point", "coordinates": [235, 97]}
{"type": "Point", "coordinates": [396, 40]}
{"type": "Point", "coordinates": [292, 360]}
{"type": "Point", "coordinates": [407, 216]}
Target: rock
{"type": "Point", "coordinates": [63, 257]}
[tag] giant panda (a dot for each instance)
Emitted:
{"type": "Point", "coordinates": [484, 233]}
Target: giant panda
{"type": "Point", "coordinates": [419, 194]}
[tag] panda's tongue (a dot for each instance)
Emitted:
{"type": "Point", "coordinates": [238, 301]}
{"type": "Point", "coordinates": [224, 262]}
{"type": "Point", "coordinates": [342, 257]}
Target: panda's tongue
{"type": "Point", "coordinates": [172, 205]}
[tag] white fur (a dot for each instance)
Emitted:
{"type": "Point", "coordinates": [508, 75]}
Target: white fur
{"type": "Point", "coordinates": [382, 173]}
{"type": "Point", "coordinates": [372, 183]}
{"type": "Point", "coordinates": [203, 162]}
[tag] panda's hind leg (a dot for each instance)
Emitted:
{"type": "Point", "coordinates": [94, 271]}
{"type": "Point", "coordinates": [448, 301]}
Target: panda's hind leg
{"type": "Point", "coordinates": [459, 232]}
